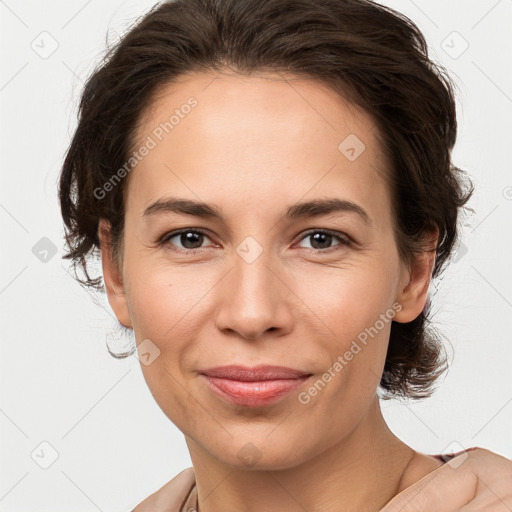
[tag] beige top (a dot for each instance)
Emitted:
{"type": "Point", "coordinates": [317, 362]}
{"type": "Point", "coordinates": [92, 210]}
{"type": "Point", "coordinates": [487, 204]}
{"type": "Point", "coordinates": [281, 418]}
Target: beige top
{"type": "Point", "coordinates": [180, 494]}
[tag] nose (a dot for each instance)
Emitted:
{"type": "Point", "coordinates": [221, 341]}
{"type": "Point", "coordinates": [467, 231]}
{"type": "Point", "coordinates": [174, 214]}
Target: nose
{"type": "Point", "coordinates": [255, 299]}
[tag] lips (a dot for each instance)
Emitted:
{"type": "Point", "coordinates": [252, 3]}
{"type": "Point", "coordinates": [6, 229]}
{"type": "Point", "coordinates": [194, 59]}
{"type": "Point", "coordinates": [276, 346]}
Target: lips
{"type": "Point", "coordinates": [253, 387]}
{"type": "Point", "coordinates": [257, 373]}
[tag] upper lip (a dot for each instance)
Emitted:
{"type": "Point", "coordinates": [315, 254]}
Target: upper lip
{"type": "Point", "coordinates": [256, 373]}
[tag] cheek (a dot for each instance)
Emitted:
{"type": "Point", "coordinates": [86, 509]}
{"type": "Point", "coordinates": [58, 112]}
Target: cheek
{"type": "Point", "coordinates": [352, 309]}
{"type": "Point", "coordinates": [347, 299]}
{"type": "Point", "coordinates": [350, 381]}
{"type": "Point", "coordinates": [171, 395]}
{"type": "Point", "coordinates": [160, 298]}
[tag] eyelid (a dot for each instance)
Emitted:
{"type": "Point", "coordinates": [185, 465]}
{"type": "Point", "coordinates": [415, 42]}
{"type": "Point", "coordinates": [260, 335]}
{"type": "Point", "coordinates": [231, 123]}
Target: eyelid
{"type": "Point", "coordinates": [171, 234]}
{"type": "Point", "coordinates": [344, 239]}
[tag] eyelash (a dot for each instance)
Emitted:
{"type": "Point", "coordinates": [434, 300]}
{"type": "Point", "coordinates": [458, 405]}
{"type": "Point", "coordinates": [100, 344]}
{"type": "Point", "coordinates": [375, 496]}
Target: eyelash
{"type": "Point", "coordinates": [344, 240]}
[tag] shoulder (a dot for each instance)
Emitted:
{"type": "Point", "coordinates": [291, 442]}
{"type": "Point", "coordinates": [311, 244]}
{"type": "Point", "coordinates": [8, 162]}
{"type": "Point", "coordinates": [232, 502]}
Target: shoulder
{"type": "Point", "coordinates": [171, 496]}
{"type": "Point", "coordinates": [420, 466]}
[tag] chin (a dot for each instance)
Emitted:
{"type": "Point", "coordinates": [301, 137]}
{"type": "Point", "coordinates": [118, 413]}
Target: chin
{"type": "Point", "coordinates": [260, 454]}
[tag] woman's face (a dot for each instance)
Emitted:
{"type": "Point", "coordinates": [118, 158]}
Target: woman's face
{"type": "Point", "coordinates": [266, 282]}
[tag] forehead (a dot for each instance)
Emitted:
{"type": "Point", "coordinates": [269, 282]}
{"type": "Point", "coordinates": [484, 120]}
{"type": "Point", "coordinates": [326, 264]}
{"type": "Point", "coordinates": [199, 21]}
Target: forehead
{"type": "Point", "coordinates": [273, 100]}
{"type": "Point", "coordinates": [251, 135]}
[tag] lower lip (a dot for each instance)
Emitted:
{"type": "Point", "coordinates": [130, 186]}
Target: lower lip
{"type": "Point", "coordinates": [253, 394]}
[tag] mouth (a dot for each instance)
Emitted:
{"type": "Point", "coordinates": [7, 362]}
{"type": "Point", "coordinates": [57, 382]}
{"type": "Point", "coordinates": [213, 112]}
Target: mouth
{"type": "Point", "coordinates": [253, 387]}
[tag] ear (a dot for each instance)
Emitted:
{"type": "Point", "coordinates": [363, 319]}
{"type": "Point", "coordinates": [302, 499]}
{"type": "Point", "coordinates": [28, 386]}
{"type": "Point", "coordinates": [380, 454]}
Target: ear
{"type": "Point", "coordinates": [415, 281]}
{"type": "Point", "coordinates": [112, 275]}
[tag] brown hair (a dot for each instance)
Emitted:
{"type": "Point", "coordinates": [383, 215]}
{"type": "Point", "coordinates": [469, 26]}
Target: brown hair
{"type": "Point", "coordinates": [371, 55]}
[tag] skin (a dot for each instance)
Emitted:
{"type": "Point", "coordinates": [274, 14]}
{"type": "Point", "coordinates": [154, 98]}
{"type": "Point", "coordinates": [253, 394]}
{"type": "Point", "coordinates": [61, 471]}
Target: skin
{"type": "Point", "coordinates": [477, 480]}
{"type": "Point", "coordinates": [296, 305]}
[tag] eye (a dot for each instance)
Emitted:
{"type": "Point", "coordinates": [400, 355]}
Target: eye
{"type": "Point", "coordinates": [189, 239]}
{"type": "Point", "coordinates": [322, 239]}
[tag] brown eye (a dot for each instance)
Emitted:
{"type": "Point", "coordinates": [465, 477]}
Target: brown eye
{"type": "Point", "coordinates": [322, 240]}
{"type": "Point", "coordinates": [185, 239]}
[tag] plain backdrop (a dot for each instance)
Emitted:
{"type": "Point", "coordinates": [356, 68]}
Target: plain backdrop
{"type": "Point", "coordinates": [79, 429]}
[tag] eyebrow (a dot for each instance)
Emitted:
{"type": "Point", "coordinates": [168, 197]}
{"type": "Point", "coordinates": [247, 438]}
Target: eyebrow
{"type": "Point", "coordinates": [314, 208]}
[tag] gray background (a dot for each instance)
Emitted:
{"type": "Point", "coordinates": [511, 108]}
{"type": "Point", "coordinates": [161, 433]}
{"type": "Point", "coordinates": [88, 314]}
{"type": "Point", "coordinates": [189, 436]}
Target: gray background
{"type": "Point", "coordinates": [106, 444]}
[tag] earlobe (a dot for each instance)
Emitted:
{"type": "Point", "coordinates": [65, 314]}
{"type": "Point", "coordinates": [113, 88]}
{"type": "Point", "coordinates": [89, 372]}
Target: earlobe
{"type": "Point", "coordinates": [112, 276]}
{"type": "Point", "coordinates": [413, 295]}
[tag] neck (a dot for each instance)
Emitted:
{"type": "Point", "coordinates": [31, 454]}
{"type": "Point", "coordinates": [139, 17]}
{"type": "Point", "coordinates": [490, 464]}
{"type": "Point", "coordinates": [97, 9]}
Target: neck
{"type": "Point", "coordinates": [361, 472]}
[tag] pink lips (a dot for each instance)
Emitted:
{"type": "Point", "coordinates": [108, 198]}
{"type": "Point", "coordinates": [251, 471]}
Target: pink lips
{"type": "Point", "coordinates": [254, 387]}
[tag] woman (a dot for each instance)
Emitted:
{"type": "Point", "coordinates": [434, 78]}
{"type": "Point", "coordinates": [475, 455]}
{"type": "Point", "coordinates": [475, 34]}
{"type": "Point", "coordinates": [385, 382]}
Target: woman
{"type": "Point", "coordinates": [270, 187]}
